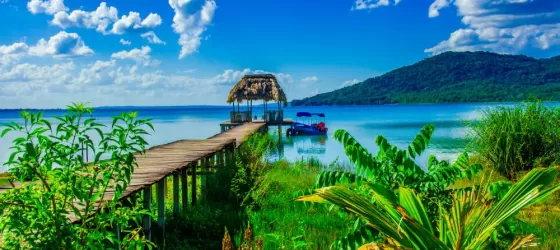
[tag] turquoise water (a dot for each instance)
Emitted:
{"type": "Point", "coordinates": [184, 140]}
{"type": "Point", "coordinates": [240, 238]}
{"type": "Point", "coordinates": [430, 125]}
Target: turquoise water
{"type": "Point", "coordinates": [399, 123]}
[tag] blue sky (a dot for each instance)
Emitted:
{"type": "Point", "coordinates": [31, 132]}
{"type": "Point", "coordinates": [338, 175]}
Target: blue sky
{"type": "Point", "coordinates": [187, 52]}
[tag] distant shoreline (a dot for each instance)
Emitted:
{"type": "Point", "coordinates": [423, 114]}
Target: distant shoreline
{"type": "Point", "coordinates": [228, 106]}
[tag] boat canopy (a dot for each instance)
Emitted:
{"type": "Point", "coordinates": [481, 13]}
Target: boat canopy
{"type": "Point", "coordinates": [307, 114]}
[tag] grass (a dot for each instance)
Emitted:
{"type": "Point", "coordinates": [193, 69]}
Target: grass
{"type": "Point", "coordinates": [518, 138]}
{"type": "Point", "coordinates": [286, 224]}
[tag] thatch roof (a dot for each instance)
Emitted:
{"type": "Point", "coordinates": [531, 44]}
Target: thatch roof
{"type": "Point", "coordinates": [257, 87]}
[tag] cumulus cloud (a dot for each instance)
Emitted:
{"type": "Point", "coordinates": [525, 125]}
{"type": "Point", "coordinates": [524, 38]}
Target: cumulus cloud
{"type": "Point", "coordinates": [372, 4]}
{"type": "Point", "coordinates": [103, 17]}
{"type": "Point", "coordinates": [125, 42]}
{"type": "Point", "coordinates": [141, 56]}
{"type": "Point", "coordinates": [16, 48]}
{"type": "Point", "coordinates": [349, 83]}
{"type": "Point", "coordinates": [61, 44]}
{"type": "Point", "coordinates": [152, 38]}
{"type": "Point", "coordinates": [310, 79]}
{"type": "Point", "coordinates": [112, 82]}
{"type": "Point", "coordinates": [143, 53]}
{"type": "Point", "coordinates": [134, 22]}
{"type": "Point", "coordinates": [46, 6]}
{"type": "Point", "coordinates": [190, 27]}
{"type": "Point", "coordinates": [504, 26]}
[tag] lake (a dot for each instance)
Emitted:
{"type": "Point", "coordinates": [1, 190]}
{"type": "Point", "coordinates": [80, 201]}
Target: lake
{"type": "Point", "coordinates": [398, 123]}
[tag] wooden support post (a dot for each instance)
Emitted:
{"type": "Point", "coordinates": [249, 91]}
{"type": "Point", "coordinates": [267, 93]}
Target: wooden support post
{"type": "Point", "coordinates": [220, 163]}
{"type": "Point", "coordinates": [176, 194]}
{"type": "Point", "coordinates": [117, 232]}
{"type": "Point", "coordinates": [185, 188]}
{"type": "Point", "coordinates": [203, 178]}
{"type": "Point", "coordinates": [193, 183]}
{"type": "Point", "coordinates": [147, 220]}
{"type": "Point", "coordinates": [160, 191]}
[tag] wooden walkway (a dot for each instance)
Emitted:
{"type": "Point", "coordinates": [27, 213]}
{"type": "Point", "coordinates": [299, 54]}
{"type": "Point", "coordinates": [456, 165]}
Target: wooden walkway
{"type": "Point", "coordinates": [179, 159]}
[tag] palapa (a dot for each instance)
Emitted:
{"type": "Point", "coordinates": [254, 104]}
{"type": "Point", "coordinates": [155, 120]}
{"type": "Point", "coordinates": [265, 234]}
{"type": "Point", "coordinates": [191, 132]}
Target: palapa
{"type": "Point", "coordinates": [257, 87]}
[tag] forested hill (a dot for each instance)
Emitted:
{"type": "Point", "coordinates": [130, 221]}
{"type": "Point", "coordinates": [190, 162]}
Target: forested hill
{"type": "Point", "coordinates": [454, 77]}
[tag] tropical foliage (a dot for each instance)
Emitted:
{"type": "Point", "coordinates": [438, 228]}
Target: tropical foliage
{"type": "Point", "coordinates": [469, 223]}
{"type": "Point", "coordinates": [63, 171]}
{"type": "Point", "coordinates": [514, 139]}
{"type": "Point", "coordinates": [396, 168]}
{"type": "Point", "coordinates": [461, 77]}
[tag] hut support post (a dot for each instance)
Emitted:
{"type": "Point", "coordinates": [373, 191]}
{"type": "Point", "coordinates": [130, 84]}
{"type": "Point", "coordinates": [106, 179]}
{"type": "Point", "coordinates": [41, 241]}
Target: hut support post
{"type": "Point", "coordinates": [147, 220]}
{"type": "Point", "coordinates": [176, 194]}
{"type": "Point", "coordinates": [193, 185]}
{"type": "Point", "coordinates": [185, 188]}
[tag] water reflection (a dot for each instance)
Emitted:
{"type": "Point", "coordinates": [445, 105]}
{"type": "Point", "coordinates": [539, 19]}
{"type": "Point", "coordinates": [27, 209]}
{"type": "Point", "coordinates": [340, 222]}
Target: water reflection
{"type": "Point", "coordinates": [302, 145]}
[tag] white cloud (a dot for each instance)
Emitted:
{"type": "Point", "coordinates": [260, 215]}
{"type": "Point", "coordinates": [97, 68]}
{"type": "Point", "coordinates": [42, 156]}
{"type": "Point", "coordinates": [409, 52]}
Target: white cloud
{"type": "Point", "coordinates": [372, 4]}
{"type": "Point", "coordinates": [349, 83]}
{"type": "Point", "coordinates": [152, 37]}
{"type": "Point", "coordinates": [310, 79]}
{"type": "Point", "coordinates": [125, 42]}
{"type": "Point", "coordinates": [61, 44]}
{"type": "Point", "coordinates": [100, 19]}
{"type": "Point", "coordinates": [139, 55]}
{"type": "Point", "coordinates": [103, 17]}
{"type": "Point", "coordinates": [46, 6]}
{"type": "Point", "coordinates": [134, 22]}
{"type": "Point", "coordinates": [135, 54]}
{"type": "Point", "coordinates": [112, 82]}
{"type": "Point", "coordinates": [191, 26]}
{"type": "Point", "coordinates": [16, 48]}
{"type": "Point", "coordinates": [503, 26]}
{"type": "Point", "coordinates": [436, 6]}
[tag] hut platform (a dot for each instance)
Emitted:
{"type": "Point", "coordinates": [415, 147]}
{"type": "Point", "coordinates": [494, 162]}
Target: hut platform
{"type": "Point", "coordinates": [227, 125]}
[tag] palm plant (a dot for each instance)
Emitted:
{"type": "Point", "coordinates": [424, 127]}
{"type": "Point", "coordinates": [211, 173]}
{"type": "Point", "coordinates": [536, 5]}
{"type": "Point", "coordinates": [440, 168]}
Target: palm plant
{"type": "Point", "coordinates": [396, 168]}
{"type": "Point", "coordinates": [469, 223]}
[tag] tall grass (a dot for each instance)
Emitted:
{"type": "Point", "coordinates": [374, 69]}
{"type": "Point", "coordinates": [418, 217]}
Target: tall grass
{"type": "Point", "coordinates": [516, 139]}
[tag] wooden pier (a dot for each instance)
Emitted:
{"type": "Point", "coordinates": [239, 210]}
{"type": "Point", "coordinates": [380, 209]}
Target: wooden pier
{"type": "Point", "coordinates": [178, 160]}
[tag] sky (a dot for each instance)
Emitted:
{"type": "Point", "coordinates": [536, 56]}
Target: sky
{"type": "Point", "coordinates": [191, 52]}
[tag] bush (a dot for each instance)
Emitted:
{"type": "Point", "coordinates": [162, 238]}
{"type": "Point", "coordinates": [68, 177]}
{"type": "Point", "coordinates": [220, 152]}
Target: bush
{"type": "Point", "coordinates": [515, 139]}
{"type": "Point", "coordinates": [58, 179]}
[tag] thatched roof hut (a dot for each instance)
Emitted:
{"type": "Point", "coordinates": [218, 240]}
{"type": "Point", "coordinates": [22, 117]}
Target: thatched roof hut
{"type": "Point", "coordinates": [257, 87]}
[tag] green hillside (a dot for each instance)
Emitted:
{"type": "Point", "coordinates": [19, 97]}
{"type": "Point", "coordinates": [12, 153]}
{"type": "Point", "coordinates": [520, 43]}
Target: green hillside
{"type": "Point", "coordinates": [454, 77]}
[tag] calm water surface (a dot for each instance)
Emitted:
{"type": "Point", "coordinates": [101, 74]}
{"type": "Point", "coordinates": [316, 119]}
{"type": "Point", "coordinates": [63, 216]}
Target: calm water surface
{"type": "Point", "coordinates": [399, 123]}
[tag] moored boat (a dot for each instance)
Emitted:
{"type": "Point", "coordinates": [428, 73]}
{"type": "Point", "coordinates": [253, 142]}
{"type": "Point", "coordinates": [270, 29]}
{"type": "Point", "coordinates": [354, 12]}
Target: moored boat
{"type": "Point", "coordinates": [312, 127]}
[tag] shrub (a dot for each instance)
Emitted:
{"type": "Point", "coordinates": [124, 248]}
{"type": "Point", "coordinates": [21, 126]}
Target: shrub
{"type": "Point", "coordinates": [518, 138]}
{"type": "Point", "coordinates": [51, 163]}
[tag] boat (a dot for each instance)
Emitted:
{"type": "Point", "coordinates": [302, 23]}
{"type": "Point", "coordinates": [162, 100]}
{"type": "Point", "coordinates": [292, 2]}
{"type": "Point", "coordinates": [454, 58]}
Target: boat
{"type": "Point", "coordinates": [312, 127]}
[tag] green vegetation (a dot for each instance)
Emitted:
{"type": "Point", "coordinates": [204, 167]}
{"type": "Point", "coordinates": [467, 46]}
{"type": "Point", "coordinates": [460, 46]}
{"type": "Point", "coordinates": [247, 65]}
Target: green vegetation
{"type": "Point", "coordinates": [515, 139]}
{"type": "Point", "coordinates": [57, 180]}
{"type": "Point", "coordinates": [257, 193]}
{"type": "Point", "coordinates": [472, 220]}
{"type": "Point", "coordinates": [285, 224]}
{"type": "Point", "coordinates": [453, 77]}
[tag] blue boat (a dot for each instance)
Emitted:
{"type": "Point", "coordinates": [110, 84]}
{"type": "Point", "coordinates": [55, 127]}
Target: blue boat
{"type": "Point", "coordinates": [312, 127]}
